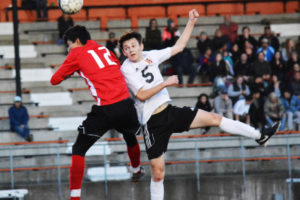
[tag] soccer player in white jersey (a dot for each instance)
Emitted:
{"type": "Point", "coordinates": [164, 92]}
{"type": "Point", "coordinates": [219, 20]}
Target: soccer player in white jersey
{"type": "Point", "coordinates": [152, 101]}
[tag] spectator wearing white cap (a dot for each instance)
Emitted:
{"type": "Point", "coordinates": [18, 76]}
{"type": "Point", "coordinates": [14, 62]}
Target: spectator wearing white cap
{"type": "Point", "coordinates": [18, 117]}
{"type": "Point", "coordinates": [267, 49]}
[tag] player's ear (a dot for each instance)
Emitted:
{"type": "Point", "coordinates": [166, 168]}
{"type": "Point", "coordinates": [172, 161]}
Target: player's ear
{"type": "Point", "coordinates": [124, 53]}
{"type": "Point", "coordinates": [77, 41]}
{"type": "Point", "coordinates": [142, 46]}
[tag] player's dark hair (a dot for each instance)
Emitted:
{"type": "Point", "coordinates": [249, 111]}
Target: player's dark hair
{"type": "Point", "coordinates": [75, 32]}
{"type": "Point", "coordinates": [129, 35]}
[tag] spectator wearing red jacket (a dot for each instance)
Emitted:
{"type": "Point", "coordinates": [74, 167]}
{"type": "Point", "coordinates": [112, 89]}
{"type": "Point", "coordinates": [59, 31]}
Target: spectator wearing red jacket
{"type": "Point", "coordinates": [229, 29]}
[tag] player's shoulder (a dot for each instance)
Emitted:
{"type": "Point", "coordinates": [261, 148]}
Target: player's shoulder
{"type": "Point", "coordinates": [127, 66]}
{"type": "Point", "coordinates": [158, 52]}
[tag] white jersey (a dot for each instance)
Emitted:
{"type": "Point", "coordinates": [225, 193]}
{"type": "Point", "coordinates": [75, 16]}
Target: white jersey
{"type": "Point", "coordinates": [146, 74]}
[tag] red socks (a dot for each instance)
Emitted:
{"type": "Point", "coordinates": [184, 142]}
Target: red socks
{"type": "Point", "coordinates": [134, 154]}
{"type": "Point", "coordinates": [77, 170]}
{"type": "Point", "coordinates": [76, 175]}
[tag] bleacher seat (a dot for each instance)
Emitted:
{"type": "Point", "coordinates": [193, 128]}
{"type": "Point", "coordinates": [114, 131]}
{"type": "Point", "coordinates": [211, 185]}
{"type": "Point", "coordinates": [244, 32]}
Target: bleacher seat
{"type": "Point", "coordinates": [14, 193]}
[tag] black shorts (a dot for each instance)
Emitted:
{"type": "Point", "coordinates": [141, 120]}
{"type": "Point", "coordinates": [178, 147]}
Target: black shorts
{"type": "Point", "coordinates": [120, 116]}
{"type": "Point", "coordinates": [161, 126]}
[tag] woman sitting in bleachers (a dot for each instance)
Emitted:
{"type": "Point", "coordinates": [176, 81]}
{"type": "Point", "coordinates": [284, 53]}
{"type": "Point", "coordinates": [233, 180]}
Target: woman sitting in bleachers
{"type": "Point", "coordinates": [238, 89]}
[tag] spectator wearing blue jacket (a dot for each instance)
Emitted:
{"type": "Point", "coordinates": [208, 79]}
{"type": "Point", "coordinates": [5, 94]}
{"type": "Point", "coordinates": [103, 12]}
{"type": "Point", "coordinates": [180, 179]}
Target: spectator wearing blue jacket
{"type": "Point", "coordinates": [291, 105]}
{"type": "Point", "coordinates": [18, 117]}
{"type": "Point", "coordinates": [267, 49]}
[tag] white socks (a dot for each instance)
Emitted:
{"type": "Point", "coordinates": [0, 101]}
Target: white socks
{"type": "Point", "coordinates": [157, 190]}
{"type": "Point", "coordinates": [134, 170]}
{"type": "Point", "coordinates": [239, 128]}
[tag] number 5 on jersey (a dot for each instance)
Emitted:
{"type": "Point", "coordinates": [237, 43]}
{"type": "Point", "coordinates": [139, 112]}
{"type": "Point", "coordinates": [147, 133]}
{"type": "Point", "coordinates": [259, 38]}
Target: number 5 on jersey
{"type": "Point", "coordinates": [106, 56]}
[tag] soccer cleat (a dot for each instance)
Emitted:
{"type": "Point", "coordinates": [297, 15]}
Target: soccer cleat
{"type": "Point", "coordinates": [135, 177]}
{"type": "Point", "coordinates": [268, 133]}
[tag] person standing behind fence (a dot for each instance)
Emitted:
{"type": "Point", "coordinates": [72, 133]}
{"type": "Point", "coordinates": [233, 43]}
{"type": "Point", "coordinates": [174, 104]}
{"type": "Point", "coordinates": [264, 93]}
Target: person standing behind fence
{"type": "Point", "coordinates": [63, 23]}
{"type": "Point", "coordinates": [41, 5]}
{"type": "Point", "coordinates": [18, 117]}
{"type": "Point", "coordinates": [153, 38]}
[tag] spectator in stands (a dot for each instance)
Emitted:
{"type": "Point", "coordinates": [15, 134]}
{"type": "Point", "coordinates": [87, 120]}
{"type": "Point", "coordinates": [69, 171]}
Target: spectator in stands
{"type": "Point", "coordinates": [185, 66]}
{"type": "Point", "coordinates": [218, 74]}
{"type": "Point", "coordinates": [205, 63]}
{"type": "Point", "coordinates": [223, 104]}
{"type": "Point", "coordinates": [290, 74]}
{"type": "Point", "coordinates": [250, 53]}
{"type": "Point", "coordinates": [235, 53]}
{"type": "Point", "coordinates": [218, 68]}
{"type": "Point", "coordinates": [229, 29]}
{"type": "Point", "coordinates": [153, 38]}
{"type": "Point", "coordinates": [28, 4]}
{"type": "Point", "coordinates": [289, 47]}
{"type": "Point", "coordinates": [170, 34]}
{"type": "Point", "coordinates": [203, 43]}
{"type": "Point", "coordinates": [261, 67]}
{"type": "Point", "coordinates": [238, 89]}
{"type": "Point", "coordinates": [41, 5]}
{"type": "Point", "coordinates": [219, 41]}
{"type": "Point", "coordinates": [256, 111]}
{"type": "Point", "coordinates": [241, 109]}
{"type": "Point", "coordinates": [267, 49]}
{"type": "Point", "coordinates": [295, 84]}
{"type": "Point", "coordinates": [298, 46]}
{"type": "Point", "coordinates": [246, 37]}
{"type": "Point", "coordinates": [63, 23]}
{"type": "Point", "coordinates": [293, 60]}
{"type": "Point", "coordinates": [242, 67]}
{"type": "Point", "coordinates": [204, 104]}
{"type": "Point", "coordinates": [274, 111]}
{"type": "Point", "coordinates": [272, 39]}
{"type": "Point", "coordinates": [18, 117]}
{"type": "Point", "coordinates": [258, 85]}
{"type": "Point", "coordinates": [169, 37]}
{"type": "Point", "coordinates": [229, 62]}
{"type": "Point", "coordinates": [273, 86]}
{"type": "Point", "coordinates": [291, 104]}
{"type": "Point", "coordinates": [296, 68]}
{"type": "Point", "coordinates": [112, 44]}
{"type": "Point", "coordinates": [278, 66]}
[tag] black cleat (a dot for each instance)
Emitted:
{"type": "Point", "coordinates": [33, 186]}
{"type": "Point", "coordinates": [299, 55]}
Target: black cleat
{"type": "Point", "coordinates": [268, 133]}
{"type": "Point", "coordinates": [135, 177]}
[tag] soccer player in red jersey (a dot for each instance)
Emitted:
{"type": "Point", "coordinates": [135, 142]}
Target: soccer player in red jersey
{"type": "Point", "coordinates": [113, 110]}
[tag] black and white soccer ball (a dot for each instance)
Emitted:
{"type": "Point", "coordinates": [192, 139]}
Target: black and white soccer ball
{"type": "Point", "coordinates": [70, 6]}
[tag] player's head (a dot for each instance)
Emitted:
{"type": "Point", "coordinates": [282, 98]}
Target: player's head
{"type": "Point", "coordinates": [76, 36]}
{"type": "Point", "coordinates": [132, 46]}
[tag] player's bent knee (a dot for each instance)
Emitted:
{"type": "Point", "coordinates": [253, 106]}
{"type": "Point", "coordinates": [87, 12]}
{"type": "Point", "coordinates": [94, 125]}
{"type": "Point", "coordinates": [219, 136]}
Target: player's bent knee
{"type": "Point", "coordinates": [216, 119]}
{"type": "Point", "coordinates": [158, 173]}
{"type": "Point", "coordinates": [158, 176]}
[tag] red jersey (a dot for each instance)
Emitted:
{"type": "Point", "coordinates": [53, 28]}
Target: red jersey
{"type": "Point", "coordinates": [101, 70]}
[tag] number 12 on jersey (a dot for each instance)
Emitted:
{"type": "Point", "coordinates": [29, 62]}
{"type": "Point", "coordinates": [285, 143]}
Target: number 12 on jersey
{"type": "Point", "coordinates": [106, 56]}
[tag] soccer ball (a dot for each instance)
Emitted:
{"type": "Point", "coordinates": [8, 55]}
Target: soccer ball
{"type": "Point", "coordinates": [70, 6]}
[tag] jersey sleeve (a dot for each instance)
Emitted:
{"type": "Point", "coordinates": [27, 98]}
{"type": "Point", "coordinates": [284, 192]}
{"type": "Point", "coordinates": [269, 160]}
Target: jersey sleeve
{"type": "Point", "coordinates": [133, 80]}
{"type": "Point", "coordinates": [69, 66]}
{"type": "Point", "coordinates": [161, 55]}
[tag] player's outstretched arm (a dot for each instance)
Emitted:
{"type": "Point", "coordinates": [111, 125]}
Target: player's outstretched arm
{"type": "Point", "coordinates": [143, 95]}
{"type": "Point", "coordinates": [184, 38]}
{"type": "Point", "coordinates": [65, 71]}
